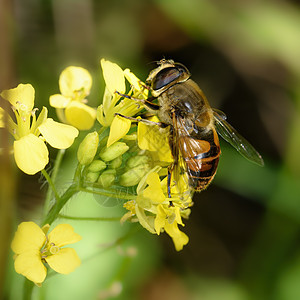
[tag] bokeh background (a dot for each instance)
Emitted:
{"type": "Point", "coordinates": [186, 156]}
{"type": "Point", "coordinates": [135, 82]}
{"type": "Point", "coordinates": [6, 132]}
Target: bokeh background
{"type": "Point", "coordinates": [244, 229]}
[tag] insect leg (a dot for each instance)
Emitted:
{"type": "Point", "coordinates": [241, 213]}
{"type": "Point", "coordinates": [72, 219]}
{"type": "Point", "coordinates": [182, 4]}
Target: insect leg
{"type": "Point", "coordinates": [147, 102]}
{"type": "Point", "coordinates": [169, 180]}
{"type": "Point", "coordinates": [160, 124]}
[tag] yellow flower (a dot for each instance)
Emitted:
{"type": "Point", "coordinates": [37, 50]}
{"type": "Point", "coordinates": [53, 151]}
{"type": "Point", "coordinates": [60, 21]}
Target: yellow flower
{"type": "Point", "coordinates": [112, 103]}
{"type": "Point", "coordinates": [168, 218]}
{"type": "Point", "coordinates": [74, 84]}
{"type": "Point", "coordinates": [153, 209]}
{"type": "Point", "coordinates": [30, 133]}
{"type": "Point", "coordinates": [33, 248]}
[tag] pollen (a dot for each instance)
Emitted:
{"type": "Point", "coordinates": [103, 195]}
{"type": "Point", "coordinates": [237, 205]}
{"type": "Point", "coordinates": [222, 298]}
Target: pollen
{"type": "Point", "coordinates": [54, 249]}
{"type": "Point", "coordinates": [130, 205]}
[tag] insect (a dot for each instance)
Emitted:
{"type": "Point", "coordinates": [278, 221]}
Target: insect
{"type": "Point", "coordinates": [194, 125]}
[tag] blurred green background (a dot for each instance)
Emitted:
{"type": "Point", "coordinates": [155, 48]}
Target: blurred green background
{"type": "Point", "coordinates": [244, 230]}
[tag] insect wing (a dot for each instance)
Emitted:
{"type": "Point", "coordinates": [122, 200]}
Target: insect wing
{"type": "Point", "coordinates": [190, 148]}
{"type": "Point", "coordinates": [180, 171]}
{"type": "Point", "coordinates": [230, 135]}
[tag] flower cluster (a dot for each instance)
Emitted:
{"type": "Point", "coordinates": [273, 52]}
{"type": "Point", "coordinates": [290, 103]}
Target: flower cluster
{"type": "Point", "coordinates": [75, 84]}
{"type": "Point", "coordinates": [135, 154]}
{"type": "Point", "coordinates": [34, 248]}
{"type": "Point", "coordinates": [128, 153]}
{"type": "Point", "coordinates": [30, 133]}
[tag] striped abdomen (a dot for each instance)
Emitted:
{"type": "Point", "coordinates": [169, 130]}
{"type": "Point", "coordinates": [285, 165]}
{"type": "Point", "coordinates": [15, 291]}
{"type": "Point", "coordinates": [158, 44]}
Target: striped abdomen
{"type": "Point", "coordinates": [201, 157]}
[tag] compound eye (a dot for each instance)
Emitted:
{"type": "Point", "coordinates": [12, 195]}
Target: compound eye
{"type": "Point", "coordinates": [164, 77]}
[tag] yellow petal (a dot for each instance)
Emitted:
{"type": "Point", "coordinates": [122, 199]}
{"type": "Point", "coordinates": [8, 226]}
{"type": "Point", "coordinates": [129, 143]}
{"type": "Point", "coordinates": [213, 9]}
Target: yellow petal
{"type": "Point", "coordinates": [2, 112]}
{"type": "Point", "coordinates": [75, 82]}
{"type": "Point", "coordinates": [65, 261]}
{"type": "Point", "coordinates": [101, 117]}
{"type": "Point", "coordinates": [23, 94]}
{"type": "Point", "coordinates": [29, 264]}
{"type": "Point", "coordinates": [179, 238]}
{"type": "Point", "coordinates": [142, 184]}
{"type": "Point", "coordinates": [40, 120]}
{"type": "Point", "coordinates": [146, 221]}
{"type": "Point", "coordinates": [154, 190]}
{"type": "Point", "coordinates": [63, 234]}
{"type": "Point", "coordinates": [113, 76]}
{"type": "Point", "coordinates": [178, 219]}
{"type": "Point", "coordinates": [58, 135]}
{"type": "Point", "coordinates": [160, 219]}
{"type": "Point", "coordinates": [29, 236]}
{"type": "Point", "coordinates": [151, 138]}
{"type": "Point", "coordinates": [119, 128]}
{"type": "Point", "coordinates": [80, 115]}
{"type": "Point", "coordinates": [31, 154]}
{"type": "Point", "coordinates": [135, 82]}
{"type": "Point", "coordinates": [59, 101]}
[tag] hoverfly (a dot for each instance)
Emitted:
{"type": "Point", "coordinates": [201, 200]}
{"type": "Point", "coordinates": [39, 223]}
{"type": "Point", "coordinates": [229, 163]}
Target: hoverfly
{"type": "Point", "coordinates": [194, 125]}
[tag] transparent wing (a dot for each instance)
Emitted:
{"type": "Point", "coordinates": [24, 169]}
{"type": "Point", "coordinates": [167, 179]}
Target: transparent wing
{"type": "Point", "coordinates": [179, 169]}
{"type": "Point", "coordinates": [230, 135]}
{"type": "Point", "coordinates": [190, 147]}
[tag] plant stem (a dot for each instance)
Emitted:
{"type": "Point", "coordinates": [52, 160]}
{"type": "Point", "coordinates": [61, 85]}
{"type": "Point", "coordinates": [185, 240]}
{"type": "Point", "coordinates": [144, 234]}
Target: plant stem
{"type": "Point", "coordinates": [101, 130]}
{"type": "Point", "coordinates": [27, 289]}
{"type": "Point", "coordinates": [112, 194]}
{"type": "Point", "coordinates": [51, 180]}
{"type": "Point", "coordinates": [56, 208]}
{"type": "Point", "coordinates": [89, 218]}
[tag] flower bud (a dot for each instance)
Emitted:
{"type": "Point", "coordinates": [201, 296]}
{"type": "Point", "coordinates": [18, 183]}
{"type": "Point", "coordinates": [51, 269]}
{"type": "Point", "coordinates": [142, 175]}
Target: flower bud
{"type": "Point", "coordinates": [88, 148]}
{"type": "Point", "coordinates": [92, 177]}
{"type": "Point", "coordinates": [116, 163]}
{"type": "Point", "coordinates": [133, 176]}
{"type": "Point", "coordinates": [97, 166]}
{"type": "Point", "coordinates": [137, 160]}
{"type": "Point", "coordinates": [113, 151]}
{"type": "Point", "coordinates": [107, 178]}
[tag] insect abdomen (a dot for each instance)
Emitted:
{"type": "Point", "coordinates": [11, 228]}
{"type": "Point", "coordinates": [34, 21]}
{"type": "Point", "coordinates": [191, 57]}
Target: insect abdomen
{"type": "Point", "coordinates": [201, 178]}
{"type": "Point", "coordinates": [201, 159]}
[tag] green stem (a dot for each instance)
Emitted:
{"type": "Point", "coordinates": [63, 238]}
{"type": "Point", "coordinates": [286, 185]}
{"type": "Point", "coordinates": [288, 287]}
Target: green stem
{"type": "Point", "coordinates": [118, 195]}
{"type": "Point", "coordinates": [89, 218]}
{"type": "Point", "coordinates": [56, 208]}
{"type": "Point", "coordinates": [51, 184]}
{"type": "Point", "coordinates": [51, 190]}
{"type": "Point", "coordinates": [27, 289]}
{"type": "Point", "coordinates": [101, 130]}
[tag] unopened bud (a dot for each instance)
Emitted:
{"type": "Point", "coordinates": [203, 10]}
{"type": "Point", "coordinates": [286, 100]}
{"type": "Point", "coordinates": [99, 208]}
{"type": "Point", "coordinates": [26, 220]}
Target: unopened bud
{"type": "Point", "coordinates": [88, 148]}
{"type": "Point", "coordinates": [133, 176]}
{"type": "Point", "coordinates": [116, 163]}
{"type": "Point", "coordinates": [137, 160]}
{"type": "Point", "coordinates": [107, 178]}
{"type": "Point", "coordinates": [113, 151]}
{"type": "Point", "coordinates": [97, 165]}
{"type": "Point", "coordinates": [92, 177]}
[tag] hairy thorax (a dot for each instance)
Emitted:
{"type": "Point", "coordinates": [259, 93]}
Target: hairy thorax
{"type": "Point", "coordinates": [186, 102]}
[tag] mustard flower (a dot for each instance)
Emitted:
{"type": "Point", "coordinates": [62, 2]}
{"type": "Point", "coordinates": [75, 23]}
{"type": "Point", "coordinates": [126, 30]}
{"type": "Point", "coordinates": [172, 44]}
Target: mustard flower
{"type": "Point", "coordinates": [168, 218]}
{"type": "Point", "coordinates": [30, 133]}
{"type": "Point", "coordinates": [34, 248]}
{"type": "Point", "coordinates": [112, 103]}
{"type": "Point", "coordinates": [154, 211]}
{"type": "Point", "coordinates": [151, 156]}
{"type": "Point", "coordinates": [74, 84]}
